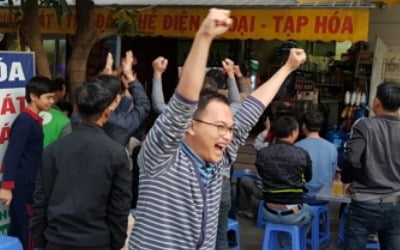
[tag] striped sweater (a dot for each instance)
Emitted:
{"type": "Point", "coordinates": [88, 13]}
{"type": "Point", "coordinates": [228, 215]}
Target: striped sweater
{"type": "Point", "coordinates": [175, 209]}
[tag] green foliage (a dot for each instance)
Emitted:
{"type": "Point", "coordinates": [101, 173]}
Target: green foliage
{"type": "Point", "coordinates": [60, 7]}
{"type": "Point", "coordinates": [124, 20]}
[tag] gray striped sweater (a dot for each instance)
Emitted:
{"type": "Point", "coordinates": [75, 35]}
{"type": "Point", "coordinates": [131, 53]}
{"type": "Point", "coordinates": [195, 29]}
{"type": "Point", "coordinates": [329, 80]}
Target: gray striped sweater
{"type": "Point", "coordinates": [175, 210]}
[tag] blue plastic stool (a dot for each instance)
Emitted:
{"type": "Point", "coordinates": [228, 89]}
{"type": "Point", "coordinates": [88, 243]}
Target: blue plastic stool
{"type": "Point", "coordinates": [10, 243]}
{"type": "Point", "coordinates": [246, 172]}
{"type": "Point", "coordinates": [373, 245]}
{"type": "Point", "coordinates": [260, 222]}
{"type": "Point", "coordinates": [270, 241]}
{"type": "Point", "coordinates": [233, 225]}
{"type": "Point", "coordinates": [318, 236]}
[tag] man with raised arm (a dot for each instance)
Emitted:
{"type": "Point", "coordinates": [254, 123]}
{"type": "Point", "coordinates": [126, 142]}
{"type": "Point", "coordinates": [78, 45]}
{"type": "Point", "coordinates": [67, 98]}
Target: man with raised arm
{"type": "Point", "coordinates": [192, 141]}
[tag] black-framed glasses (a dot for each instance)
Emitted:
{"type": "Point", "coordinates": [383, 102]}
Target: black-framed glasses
{"type": "Point", "coordinates": [221, 129]}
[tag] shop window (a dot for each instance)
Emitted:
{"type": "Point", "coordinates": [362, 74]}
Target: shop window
{"type": "Point", "coordinates": [56, 53]}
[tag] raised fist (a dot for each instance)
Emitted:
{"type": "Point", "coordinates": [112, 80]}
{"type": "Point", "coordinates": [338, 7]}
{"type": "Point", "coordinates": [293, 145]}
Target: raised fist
{"type": "Point", "coordinates": [228, 66]}
{"type": "Point", "coordinates": [296, 58]}
{"type": "Point", "coordinates": [160, 65]}
{"type": "Point", "coordinates": [216, 23]}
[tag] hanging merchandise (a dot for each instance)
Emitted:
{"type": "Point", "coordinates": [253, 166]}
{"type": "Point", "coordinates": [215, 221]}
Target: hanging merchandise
{"type": "Point", "coordinates": [361, 110]}
{"type": "Point", "coordinates": [346, 104]}
{"type": "Point", "coordinates": [254, 65]}
{"type": "Point", "coordinates": [348, 122]}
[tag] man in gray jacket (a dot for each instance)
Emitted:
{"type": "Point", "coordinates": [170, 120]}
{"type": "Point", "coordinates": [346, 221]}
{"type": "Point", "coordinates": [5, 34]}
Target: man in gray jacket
{"type": "Point", "coordinates": [371, 173]}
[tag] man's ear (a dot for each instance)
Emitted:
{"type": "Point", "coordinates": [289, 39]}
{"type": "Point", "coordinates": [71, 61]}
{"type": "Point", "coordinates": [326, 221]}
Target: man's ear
{"type": "Point", "coordinates": [107, 112]}
{"type": "Point", "coordinates": [303, 128]}
{"type": "Point", "coordinates": [191, 129]}
{"type": "Point", "coordinates": [33, 97]}
{"type": "Point", "coordinates": [376, 106]}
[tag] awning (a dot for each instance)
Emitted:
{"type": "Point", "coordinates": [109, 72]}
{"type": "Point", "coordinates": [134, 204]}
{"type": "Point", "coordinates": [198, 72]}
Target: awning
{"type": "Point", "coordinates": [282, 24]}
{"type": "Point", "coordinates": [241, 3]}
{"type": "Point", "coordinates": [349, 2]}
{"type": "Point", "coordinates": [236, 3]}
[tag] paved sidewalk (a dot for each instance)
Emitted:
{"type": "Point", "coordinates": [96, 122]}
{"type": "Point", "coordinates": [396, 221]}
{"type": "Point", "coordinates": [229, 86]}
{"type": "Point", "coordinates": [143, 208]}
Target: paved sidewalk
{"type": "Point", "coordinates": [251, 237]}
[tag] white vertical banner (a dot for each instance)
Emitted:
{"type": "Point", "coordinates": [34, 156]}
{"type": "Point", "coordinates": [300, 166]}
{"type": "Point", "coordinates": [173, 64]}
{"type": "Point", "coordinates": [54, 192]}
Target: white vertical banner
{"type": "Point", "coordinates": [380, 52]}
{"type": "Point", "coordinates": [16, 68]}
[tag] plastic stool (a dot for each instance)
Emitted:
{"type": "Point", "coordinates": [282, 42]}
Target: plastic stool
{"type": "Point", "coordinates": [270, 241]}
{"type": "Point", "coordinates": [233, 225]}
{"type": "Point", "coordinates": [319, 237]}
{"type": "Point", "coordinates": [246, 172]}
{"type": "Point", "coordinates": [373, 245]}
{"type": "Point", "coordinates": [260, 222]}
{"type": "Point", "coordinates": [10, 243]}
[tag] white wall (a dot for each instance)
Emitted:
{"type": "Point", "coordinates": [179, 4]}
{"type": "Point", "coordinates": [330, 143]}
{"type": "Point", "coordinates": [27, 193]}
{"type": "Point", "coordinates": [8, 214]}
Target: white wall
{"type": "Point", "coordinates": [385, 23]}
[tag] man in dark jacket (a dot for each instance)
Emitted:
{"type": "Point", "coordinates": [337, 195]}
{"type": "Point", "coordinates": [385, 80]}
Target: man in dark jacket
{"type": "Point", "coordinates": [371, 173]}
{"type": "Point", "coordinates": [284, 169]}
{"type": "Point", "coordinates": [128, 118]}
{"type": "Point", "coordinates": [83, 192]}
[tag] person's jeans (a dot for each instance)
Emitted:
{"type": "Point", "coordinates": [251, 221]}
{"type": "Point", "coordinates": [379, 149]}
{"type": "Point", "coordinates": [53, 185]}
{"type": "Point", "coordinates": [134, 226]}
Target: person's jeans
{"type": "Point", "coordinates": [225, 205]}
{"type": "Point", "coordinates": [303, 218]}
{"type": "Point", "coordinates": [364, 219]}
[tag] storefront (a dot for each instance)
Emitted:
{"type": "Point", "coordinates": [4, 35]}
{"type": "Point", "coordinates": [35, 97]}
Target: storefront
{"type": "Point", "coordinates": [257, 33]}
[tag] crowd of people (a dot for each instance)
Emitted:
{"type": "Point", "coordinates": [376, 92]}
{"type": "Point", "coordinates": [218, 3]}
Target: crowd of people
{"type": "Point", "coordinates": [72, 176]}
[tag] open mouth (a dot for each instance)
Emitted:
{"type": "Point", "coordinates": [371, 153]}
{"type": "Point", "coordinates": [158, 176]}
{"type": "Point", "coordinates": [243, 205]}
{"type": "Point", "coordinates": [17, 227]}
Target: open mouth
{"type": "Point", "coordinates": [219, 148]}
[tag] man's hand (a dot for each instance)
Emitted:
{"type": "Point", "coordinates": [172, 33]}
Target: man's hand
{"type": "Point", "coordinates": [228, 66]}
{"type": "Point", "coordinates": [296, 58]}
{"type": "Point", "coordinates": [126, 67]}
{"type": "Point", "coordinates": [267, 124]}
{"type": "Point", "coordinates": [6, 196]}
{"type": "Point", "coordinates": [159, 66]}
{"type": "Point", "coordinates": [108, 68]}
{"type": "Point", "coordinates": [216, 23]}
{"type": "Point", "coordinates": [237, 71]}
{"type": "Point", "coordinates": [346, 189]}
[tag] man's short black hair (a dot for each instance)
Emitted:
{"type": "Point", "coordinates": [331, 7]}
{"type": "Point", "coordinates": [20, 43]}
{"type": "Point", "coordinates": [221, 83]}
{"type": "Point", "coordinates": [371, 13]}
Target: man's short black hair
{"type": "Point", "coordinates": [65, 106]}
{"type": "Point", "coordinates": [109, 82]}
{"type": "Point", "coordinates": [38, 85]}
{"type": "Point", "coordinates": [218, 76]}
{"type": "Point", "coordinates": [59, 83]}
{"type": "Point", "coordinates": [284, 126]}
{"type": "Point", "coordinates": [388, 94]}
{"type": "Point", "coordinates": [313, 120]}
{"type": "Point", "coordinates": [206, 96]}
{"type": "Point", "coordinates": [92, 99]}
{"type": "Point", "coordinates": [210, 83]}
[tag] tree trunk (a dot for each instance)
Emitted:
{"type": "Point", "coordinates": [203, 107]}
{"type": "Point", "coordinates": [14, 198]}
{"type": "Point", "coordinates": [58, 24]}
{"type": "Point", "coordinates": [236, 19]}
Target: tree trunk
{"type": "Point", "coordinates": [83, 42]}
{"type": "Point", "coordinates": [32, 33]}
{"type": "Point", "coordinates": [85, 38]}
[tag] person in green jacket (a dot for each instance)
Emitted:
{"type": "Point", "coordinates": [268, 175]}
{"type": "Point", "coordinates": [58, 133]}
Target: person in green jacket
{"type": "Point", "coordinates": [55, 123]}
